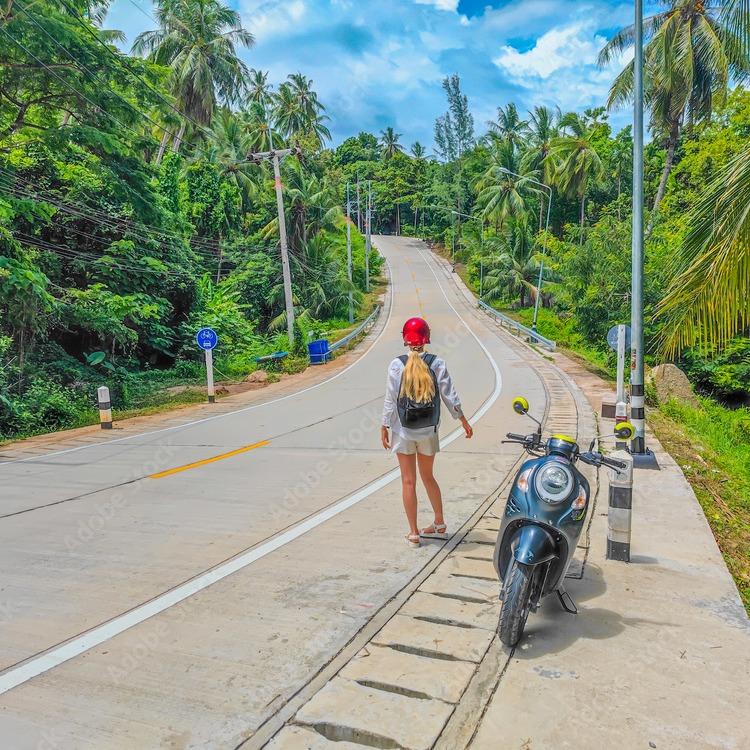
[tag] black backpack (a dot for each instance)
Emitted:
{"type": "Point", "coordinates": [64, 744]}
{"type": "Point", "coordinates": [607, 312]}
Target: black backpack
{"type": "Point", "coordinates": [413, 414]}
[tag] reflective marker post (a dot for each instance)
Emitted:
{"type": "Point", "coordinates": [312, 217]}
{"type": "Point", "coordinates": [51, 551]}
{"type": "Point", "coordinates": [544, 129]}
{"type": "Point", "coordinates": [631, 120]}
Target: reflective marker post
{"type": "Point", "coordinates": [207, 340]}
{"type": "Point", "coordinates": [105, 407]}
{"type": "Point", "coordinates": [210, 376]}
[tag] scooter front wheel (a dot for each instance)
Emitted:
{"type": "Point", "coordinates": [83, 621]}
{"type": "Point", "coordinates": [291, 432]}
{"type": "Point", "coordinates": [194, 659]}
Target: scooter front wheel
{"type": "Point", "coordinates": [517, 590]}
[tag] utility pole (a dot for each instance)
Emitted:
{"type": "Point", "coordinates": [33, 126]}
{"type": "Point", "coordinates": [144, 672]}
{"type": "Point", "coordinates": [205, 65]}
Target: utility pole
{"type": "Point", "coordinates": [349, 252]}
{"type": "Point", "coordinates": [368, 237]}
{"type": "Point", "coordinates": [637, 393]}
{"type": "Point", "coordinates": [359, 211]}
{"type": "Point", "coordinates": [275, 157]}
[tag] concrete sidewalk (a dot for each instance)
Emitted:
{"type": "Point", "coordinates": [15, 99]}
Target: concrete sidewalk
{"type": "Point", "coordinates": [659, 654]}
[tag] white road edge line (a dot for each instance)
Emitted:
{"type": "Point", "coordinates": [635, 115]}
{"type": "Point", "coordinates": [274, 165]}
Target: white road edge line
{"type": "Point", "coordinates": [44, 456]}
{"type": "Point", "coordinates": [15, 676]}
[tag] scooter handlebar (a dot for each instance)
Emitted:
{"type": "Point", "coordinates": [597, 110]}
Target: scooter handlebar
{"type": "Point", "coordinates": [514, 436]}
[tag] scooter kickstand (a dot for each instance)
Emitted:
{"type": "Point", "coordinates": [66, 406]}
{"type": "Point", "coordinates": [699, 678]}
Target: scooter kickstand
{"type": "Point", "coordinates": [562, 595]}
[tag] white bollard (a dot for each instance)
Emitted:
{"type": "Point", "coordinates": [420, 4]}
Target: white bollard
{"type": "Point", "coordinates": [620, 508]}
{"type": "Point", "coordinates": [105, 407]}
{"type": "Point", "coordinates": [210, 376]}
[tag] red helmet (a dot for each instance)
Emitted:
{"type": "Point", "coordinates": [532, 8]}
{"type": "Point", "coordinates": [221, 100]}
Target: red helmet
{"type": "Point", "coordinates": [416, 332]}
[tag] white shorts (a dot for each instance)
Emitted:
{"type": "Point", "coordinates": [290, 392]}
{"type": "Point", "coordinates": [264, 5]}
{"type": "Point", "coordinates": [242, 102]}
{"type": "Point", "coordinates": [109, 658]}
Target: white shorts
{"type": "Point", "coordinates": [428, 446]}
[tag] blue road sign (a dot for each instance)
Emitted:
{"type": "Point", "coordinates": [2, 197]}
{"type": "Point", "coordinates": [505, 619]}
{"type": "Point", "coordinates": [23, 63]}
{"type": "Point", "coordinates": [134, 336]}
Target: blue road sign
{"type": "Point", "coordinates": [206, 338]}
{"type": "Point", "coordinates": [612, 337]}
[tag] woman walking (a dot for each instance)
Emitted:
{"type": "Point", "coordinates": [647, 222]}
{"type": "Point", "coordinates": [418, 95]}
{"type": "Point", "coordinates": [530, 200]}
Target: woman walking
{"type": "Point", "coordinates": [416, 384]}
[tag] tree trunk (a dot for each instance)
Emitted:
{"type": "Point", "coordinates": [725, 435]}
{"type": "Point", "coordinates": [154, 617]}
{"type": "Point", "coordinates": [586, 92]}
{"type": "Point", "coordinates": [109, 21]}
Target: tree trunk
{"type": "Point", "coordinates": [162, 146]}
{"type": "Point", "coordinates": [583, 218]}
{"type": "Point", "coordinates": [398, 221]}
{"type": "Point", "coordinates": [674, 136]}
{"type": "Point", "coordinates": [416, 212]}
{"type": "Point", "coordinates": [178, 138]}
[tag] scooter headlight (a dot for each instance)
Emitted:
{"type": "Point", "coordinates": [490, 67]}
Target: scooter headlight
{"type": "Point", "coordinates": [554, 482]}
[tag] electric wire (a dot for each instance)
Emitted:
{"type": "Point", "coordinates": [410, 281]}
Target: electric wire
{"type": "Point", "coordinates": [202, 247]}
{"type": "Point", "coordinates": [121, 60]}
{"type": "Point", "coordinates": [87, 70]}
{"type": "Point", "coordinates": [73, 88]}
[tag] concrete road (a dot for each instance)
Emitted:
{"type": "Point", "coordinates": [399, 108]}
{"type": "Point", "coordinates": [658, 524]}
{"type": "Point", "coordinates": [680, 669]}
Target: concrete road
{"type": "Point", "coordinates": [175, 589]}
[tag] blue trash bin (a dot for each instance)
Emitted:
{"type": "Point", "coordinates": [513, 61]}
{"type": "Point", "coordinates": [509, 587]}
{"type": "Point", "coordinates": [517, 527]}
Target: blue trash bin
{"type": "Point", "coordinates": [318, 351]}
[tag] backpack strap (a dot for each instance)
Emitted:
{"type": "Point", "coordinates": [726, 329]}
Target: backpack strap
{"type": "Point", "coordinates": [403, 359]}
{"type": "Point", "coordinates": [429, 359]}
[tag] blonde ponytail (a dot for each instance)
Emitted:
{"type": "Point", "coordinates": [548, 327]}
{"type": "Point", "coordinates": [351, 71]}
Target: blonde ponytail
{"type": "Point", "coordinates": [417, 383]}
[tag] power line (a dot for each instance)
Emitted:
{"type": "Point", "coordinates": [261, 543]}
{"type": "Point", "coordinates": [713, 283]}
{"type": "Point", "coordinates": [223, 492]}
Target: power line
{"type": "Point", "coordinates": [126, 65]}
{"type": "Point", "coordinates": [88, 70]}
{"type": "Point", "coordinates": [68, 85]}
{"type": "Point", "coordinates": [6, 181]}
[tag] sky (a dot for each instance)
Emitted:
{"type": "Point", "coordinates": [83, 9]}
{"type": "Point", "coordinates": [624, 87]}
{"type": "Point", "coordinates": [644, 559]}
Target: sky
{"type": "Point", "coordinates": [380, 63]}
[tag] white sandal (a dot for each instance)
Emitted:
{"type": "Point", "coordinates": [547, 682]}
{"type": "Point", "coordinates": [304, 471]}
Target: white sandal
{"type": "Point", "coordinates": [413, 540]}
{"type": "Point", "coordinates": [435, 529]}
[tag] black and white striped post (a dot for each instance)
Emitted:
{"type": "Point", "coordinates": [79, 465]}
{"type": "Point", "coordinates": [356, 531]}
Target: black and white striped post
{"type": "Point", "coordinates": [620, 508]}
{"type": "Point", "coordinates": [105, 407]}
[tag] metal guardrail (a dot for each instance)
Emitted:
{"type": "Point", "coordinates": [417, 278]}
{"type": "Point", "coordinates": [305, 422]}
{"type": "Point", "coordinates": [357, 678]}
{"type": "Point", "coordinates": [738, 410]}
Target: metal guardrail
{"type": "Point", "coordinates": [361, 327]}
{"type": "Point", "coordinates": [514, 325]}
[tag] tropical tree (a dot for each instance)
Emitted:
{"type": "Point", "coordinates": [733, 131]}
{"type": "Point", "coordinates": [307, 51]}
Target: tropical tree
{"type": "Point", "coordinates": [389, 143]}
{"type": "Point", "coordinates": [418, 151]}
{"type": "Point", "coordinates": [577, 161]}
{"type": "Point", "coordinates": [197, 40]}
{"type": "Point", "coordinates": [297, 111]}
{"type": "Point", "coordinates": [541, 131]}
{"type": "Point", "coordinates": [508, 126]}
{"type": "Point", "coordinates": [708, 299]}
{"type": "Point", "coordinates": [505, 185]}
{"type": "Point", "coordinates": [695, 47]}
{"type": "Point", "coordinates": [258, 88]}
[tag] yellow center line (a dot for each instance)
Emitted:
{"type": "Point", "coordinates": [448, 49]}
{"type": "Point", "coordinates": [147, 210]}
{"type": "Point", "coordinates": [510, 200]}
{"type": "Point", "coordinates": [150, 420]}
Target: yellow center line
{"type": "Point", "coordinates": [211, 460]}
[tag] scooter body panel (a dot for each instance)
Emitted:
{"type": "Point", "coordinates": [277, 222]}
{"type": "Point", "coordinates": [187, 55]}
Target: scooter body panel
{"type": "Point", "coordinates": [536, 532]}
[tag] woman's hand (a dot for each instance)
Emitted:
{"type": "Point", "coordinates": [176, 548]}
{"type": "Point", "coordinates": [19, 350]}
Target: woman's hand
{"type": "Point", "coordinates": [468, 429]}
{"type": "Point", "coordinates": [384, 437]}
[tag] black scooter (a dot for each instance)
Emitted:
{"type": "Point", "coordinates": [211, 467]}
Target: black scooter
{"type": "Point", "coordinates": [543, 520]}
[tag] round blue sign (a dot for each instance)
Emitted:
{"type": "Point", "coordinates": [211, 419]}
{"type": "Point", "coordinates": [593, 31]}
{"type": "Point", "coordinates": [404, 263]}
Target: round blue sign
{"type": "Point", "coordinates": [206, 338]}
{"type": "Point", "coordinates": [612, 337]}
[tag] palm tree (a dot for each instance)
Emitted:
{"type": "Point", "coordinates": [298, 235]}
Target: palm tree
{"type": "Point", "coordinates": [297, 111]}
{"type": "Point", "coordinates": [577, 160]}
{"type": "Point", "coordinates": [197, 40]}
{"type": "Point", "coordinates": [258, 88]}
{"type": "Point", "coordinates": [511, 268]}
{"type": "Point", "coordinates": [695, 48]}
{"type": "Point", "coordinates": [418, 151]}
{"type": "Point", "coordinates": [509, 126]}
{"type": "Point", "coordinates": [227, 145]}
{"type": "Point", "coordinates": [542, 129]}
{"type": "Point", "coordinates": [501, 193]}
{"type": "Point", "coordinates": [708, 298]}
{"type": "Point", "coordinates": [389, 145]}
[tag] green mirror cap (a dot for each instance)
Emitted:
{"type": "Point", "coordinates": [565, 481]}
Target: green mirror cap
{"type": "Point", "coordinates": [625, 431]}
{"type": "Point", "coordinates": [520, 405]}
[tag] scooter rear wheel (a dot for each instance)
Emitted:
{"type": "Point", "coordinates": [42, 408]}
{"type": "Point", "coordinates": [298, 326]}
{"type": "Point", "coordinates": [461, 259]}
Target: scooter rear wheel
{"type": "Point", "coordinates": [517, 590]}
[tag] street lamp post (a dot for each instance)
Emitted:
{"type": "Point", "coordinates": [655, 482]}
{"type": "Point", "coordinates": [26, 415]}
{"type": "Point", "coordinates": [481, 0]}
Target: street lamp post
{"type": "Point", "coordinates": [641, 455]}
{"type": "Point", "coordinates": [544, 246]}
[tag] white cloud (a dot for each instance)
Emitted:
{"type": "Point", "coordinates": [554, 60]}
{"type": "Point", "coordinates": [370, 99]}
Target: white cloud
{"type": "Point", "coordinates": [266, 18]}
{"type": "Point", "coordinates": [559, 48]}
{"type": "Point", "coordinates": [447, 5]}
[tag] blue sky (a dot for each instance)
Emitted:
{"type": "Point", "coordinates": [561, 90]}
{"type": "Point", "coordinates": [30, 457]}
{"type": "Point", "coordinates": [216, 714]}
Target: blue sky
{"type": "Point", "coordinates": [376, 63]}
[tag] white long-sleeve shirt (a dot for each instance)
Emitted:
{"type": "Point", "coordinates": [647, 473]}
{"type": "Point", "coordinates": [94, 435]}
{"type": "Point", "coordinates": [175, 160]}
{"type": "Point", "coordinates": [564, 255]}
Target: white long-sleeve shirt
{"type": "Point", "coordinates": [448, 396]}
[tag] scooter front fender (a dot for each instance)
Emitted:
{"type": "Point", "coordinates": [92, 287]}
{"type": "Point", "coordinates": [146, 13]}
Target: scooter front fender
{"type": "Point", "coordinates": [533, 545]}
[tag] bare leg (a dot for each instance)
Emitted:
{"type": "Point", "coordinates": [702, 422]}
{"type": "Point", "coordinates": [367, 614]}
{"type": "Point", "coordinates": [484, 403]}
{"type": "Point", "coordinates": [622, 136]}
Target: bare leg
{"type": "Point", "coordinates": [430, 484]}
{"type": "Point", "coordinates": [408, 466]}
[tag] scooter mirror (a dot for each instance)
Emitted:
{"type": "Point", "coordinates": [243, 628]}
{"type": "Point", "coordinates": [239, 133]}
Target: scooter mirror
{"type": "Point", "coordinates": [624, 431]}
{"type": "Point", "coordinates": [520, 405]}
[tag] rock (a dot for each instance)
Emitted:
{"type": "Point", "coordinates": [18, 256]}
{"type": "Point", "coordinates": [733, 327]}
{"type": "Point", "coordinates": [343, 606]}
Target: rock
{"type": "Point", "coordinates": [259, 376]}
{"type": "Point", "coordinates": [670, 381]}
